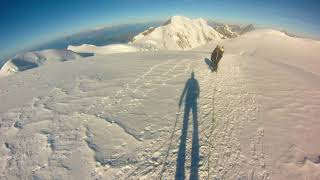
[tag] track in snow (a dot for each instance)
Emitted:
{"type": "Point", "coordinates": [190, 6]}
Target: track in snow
{"type": "Point", "coordinates": [73, 122]}
{"type": "Point", "coordinates": [220, 151]}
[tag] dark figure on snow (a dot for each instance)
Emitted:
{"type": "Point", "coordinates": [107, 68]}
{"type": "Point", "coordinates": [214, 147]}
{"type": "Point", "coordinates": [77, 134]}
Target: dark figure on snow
{"type": "Point", "coordinates": [216, 56]}
{"type": "Point", "coordinates": [191, 93]}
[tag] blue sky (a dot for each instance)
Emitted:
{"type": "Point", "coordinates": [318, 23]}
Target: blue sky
{"type": "Point", "coordinates": [25, 23]}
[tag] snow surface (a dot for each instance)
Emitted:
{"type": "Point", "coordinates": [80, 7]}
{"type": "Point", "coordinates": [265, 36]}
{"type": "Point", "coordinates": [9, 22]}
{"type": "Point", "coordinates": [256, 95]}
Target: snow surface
{"type": "Point", "coordinates": [100, 50]}
{"type": "Point", "coordinates": [115, 116]}
{"type": "Point", "coordinates": [34, 59]}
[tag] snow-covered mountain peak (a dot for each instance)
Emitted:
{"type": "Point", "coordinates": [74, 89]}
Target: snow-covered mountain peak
{"type": "Point", "coordinates": [178, 33]}
{"type": "Point", "coordinates": [226, 31]}
{"type": "Point", "coordinates": [177, 19]}
{"type": "Point", "coordinates": [183, 20]}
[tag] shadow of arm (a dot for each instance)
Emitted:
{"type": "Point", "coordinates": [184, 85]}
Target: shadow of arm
{"type": "Point", "coordinates": [197, 89]}
{"type": "Point", "coordinates": [183, 93]}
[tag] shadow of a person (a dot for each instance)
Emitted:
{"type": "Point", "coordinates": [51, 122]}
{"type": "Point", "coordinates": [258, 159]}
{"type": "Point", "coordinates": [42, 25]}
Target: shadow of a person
{"type": "Point", "coordinates": [209, 63]}
{"type": "Point", "coordinates": [191, 93]}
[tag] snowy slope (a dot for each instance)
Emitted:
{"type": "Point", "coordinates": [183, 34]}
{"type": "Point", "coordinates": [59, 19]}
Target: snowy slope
{"type": "Point", "coordinates": [109, 49]}
{"type": "Point", "coordinates": [279, 75]}
{"type": "Point", "coordinates": [115, 116]}
{"type": "Point", "coordinates": [178, 33]}
{"type": "Point", "coordinates": [34, 59]}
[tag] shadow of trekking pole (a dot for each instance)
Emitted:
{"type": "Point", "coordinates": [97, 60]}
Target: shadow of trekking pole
{"type": "Point", "coordinates": [170, 144]}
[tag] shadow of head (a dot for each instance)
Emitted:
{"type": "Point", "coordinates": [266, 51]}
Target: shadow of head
{"type": "Point", "coordinates": [192, 75]}
{"type": "Point", "coordinates": [191, 89]}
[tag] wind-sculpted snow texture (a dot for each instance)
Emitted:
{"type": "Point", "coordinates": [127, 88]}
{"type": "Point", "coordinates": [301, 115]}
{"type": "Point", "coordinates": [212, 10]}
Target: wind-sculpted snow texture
{"type": "Point", "coordinates": [115, 116]}
{"type": "Point", "coordinates": [29, 60]}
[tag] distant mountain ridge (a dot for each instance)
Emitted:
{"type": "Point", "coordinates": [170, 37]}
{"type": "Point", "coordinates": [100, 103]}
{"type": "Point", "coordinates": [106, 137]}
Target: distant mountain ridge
{"type": "Point", "coordinates": [231, 30]}
{"type": "Point", "coordinates": [178, 33]}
